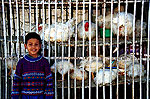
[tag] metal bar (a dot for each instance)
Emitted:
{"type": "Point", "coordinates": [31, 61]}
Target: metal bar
{"type": "Point", "coordinates": [5, 46]}
{"type": "Point", "coordinates": [10, 7]}
{"type": "Point", "coordinates": [43, 47]}
{"type": "Point", "coordinates": [147, 94]}
{"type": "Point", "coordinates": [133, 49]}
{"type": "Point", "coordinates": [55, 50]}
{"type": "Point", "coordinates": [49, 43]}
{"type": "Point", "coordinates": [62, 35]}
{"type": "Point", "coordinates": [37, 16]}
{"type": "Point", "coordinates": [75, 55]}
{"type": "Point", "coordinates": [125, 82]}
{"type": "Point", "coordinates": [96, 48]}
{"type": "Point", "coordinates": [90, 48]}
{"type": "Point", "coordinates": [118, 50]}
{"type": "Point", "coordinates": [111, 51]}
{"type": "Point", "coordinates": [104, 47]}
{"type": "Point", "coordinates": [69, 52]}
{"type": "Point", "coordinates": [83, 48]}
{"type": "Point", "coordinates": [30, 15]}
{"type": "Point", "coordinates": [23, 20]}
{"type": "Point", "coordinates": [142, 10]}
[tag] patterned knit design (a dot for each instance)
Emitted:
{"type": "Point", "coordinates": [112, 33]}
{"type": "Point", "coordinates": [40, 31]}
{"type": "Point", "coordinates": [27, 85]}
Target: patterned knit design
{"type": "Point", "coordinates": [33, 78]}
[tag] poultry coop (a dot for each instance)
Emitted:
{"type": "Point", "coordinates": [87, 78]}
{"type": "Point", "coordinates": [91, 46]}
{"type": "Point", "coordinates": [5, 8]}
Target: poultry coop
{"type": "Point", "coordinates": [97, 49]}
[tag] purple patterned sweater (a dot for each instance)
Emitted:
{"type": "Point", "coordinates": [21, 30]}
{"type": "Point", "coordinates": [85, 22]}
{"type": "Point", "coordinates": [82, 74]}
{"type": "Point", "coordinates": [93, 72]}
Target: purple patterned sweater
{"type": "Point", "coordinates": [33, 77]}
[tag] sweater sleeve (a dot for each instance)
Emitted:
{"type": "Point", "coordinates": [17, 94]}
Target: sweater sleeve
{"type": "Point", "coordinates": [17, 81]}
{"type": "Point", "coordinates": [49, 93]}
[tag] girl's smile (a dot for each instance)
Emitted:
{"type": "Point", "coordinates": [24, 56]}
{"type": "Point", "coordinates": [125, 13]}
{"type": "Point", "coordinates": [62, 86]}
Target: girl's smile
{"type": "Point", "coordinates": [33, 46]}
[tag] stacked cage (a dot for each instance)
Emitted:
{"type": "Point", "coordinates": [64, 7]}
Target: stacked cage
{"type": "Point", "coordinates": [96, 48]}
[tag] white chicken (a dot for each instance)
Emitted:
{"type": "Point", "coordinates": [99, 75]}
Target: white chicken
{"type": "Point", "coordinates": [9, 66]}
{"type": "Point", "coordinates": [106, 80]}
{"type": "Point", "coordinates": [62, 33]}
{"type": "Point", "coordinates": [62, 67]}
{"type": "Point", "coordinates": [138, 28]}
{"type": "Point", "coordinates": [108, 17]}
{"type": "Point", "coordinates": [121, 60]}
{"type": "Point", "coordinates": [107, 21]}
{"type": "Point", "coordinates": [136, 70]}
{"type": "Point", "coordinates": [86, 65]}
{"type": "Point", "coordinates": [85, 32]}
{"type": "Point", "coordinates": [121, 22]}
{"type": "Point", "coordinates": [77, 73]}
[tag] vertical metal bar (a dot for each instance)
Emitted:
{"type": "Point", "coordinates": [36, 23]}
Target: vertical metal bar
{"type": "Point", "coordinates": [62, 36]}
{"type": "Point", "coordinates": [43, 27]}
{"type": "Point", "coordinates": [37, 17]}
{"type": "Point", "coordinates": [83, 48]}
{"type": "Point", "coordinates": [69, 52]}
{"type": "Point", "coordinates": [75, 48]}
{"type": "Point", "coordinates": [90, 49]}
{"type": "Point", "coordinates": [104, 4]}
{"type": "Point", "coordinates": [125, 48]}
{"type": "Point", "coordinates": [23, 20]}
{"type": "Point", "coordinates": [142, 10]}
{"type": "Point", "coordinates": [49, 43]}
{"type": "Point", "coordinates": [5, 46]}
{"type": "Point", "coordinates": [133, 49]}
{"type": "Point", "coordinates": [111, 51]}
{"type": "Point", "coordinates": [55, 50]}
{"type": "Point", "coordinates": [10, 7]}
{"type": "Point", "coordinates": [30, 15]}
{"type": "Point", "coordinates": [148, 44]}
{"type": "Point", "coordinates": [118, 50]}
{"type": "Point", "coordinates": [96, 48]}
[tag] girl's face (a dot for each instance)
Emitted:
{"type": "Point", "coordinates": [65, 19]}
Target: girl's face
{"type": "Point", "coordinates": [33, 46]}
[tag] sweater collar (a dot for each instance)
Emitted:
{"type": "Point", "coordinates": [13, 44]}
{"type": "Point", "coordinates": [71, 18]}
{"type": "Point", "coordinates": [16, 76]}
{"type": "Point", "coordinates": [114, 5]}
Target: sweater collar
{"type": "Point", "coordinates": [31, 59]}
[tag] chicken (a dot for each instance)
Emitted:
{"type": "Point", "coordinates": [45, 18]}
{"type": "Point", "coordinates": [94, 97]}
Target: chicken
{"type": "Point", "coordinates": [138, 28]}
{"type": "Point", "coordinates": [99, 76]}
{"type": "Point", "coordinates": [63, 30]}
{"type": "Point", "coordinates": [62, 67]}
{"type": "Point", "coordinates": [10, 65]}
{"type": "Point", "coordinates": [122, 20]}
{"type": "Point", "coordinates": [78, 74]}
{"type": "Point", "coordinates": [62, 33]}
{"type": "Point", "coordinates": [85, 32]}
{"type": "Point", "coordinates": [121, 61]}
{"type": "Point", "coordinates": [107, 21]}
{"type": "Point", "coordinates": [108, 17]}
{"type": "Point", "coordinates": [136, 70]}
{"type": "Point", "coordinates": [86, 65]}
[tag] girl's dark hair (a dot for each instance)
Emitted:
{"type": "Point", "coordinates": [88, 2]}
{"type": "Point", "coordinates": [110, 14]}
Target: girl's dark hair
{"type": "Point", "coordinates": [33, 35]}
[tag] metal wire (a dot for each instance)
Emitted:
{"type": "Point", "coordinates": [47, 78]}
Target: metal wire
{"type": "Point", "coordinates": [55, 50]}
{"type": "Point", "coordinates": [133, 49]}
{"type": "Point", "coordinates": [83, 48]}
{"type": "Point", "coordinates": [96, 47]}
{"type": "Point", "coordinates": [142, 10]}
{"type": "Point", "coordinates": [5, 46]}
{"type": "Point", "coordinates": [125, 86]}
{"type": "Point", "coordinates": [148, 44]}
{"type": "Point", "coordinates": [75, 55]}
{"type": "Point", "coordinates": [103, 79]}
{"type": "Point", "coordinates": [118, 50]}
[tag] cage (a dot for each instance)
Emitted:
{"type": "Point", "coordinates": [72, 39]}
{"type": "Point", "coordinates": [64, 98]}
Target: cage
{"type": "Point", "coordinates": [104, 65]}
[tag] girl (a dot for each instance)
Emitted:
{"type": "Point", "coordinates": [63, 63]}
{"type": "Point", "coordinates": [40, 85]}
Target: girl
{"type": "Point", "coordinates": [33, 78]}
